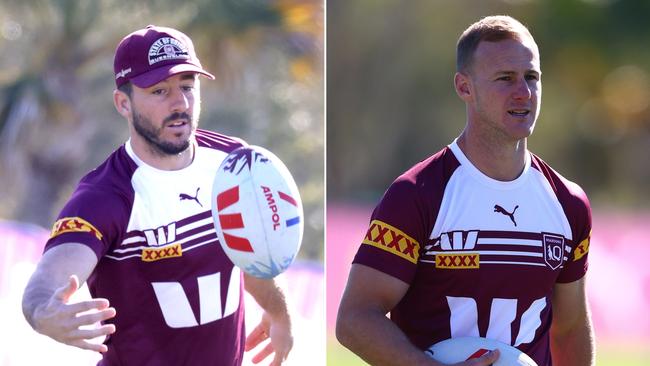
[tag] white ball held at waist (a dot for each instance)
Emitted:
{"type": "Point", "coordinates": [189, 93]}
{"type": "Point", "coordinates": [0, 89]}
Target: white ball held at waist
{"type": "Point", "coordinates": [257, 211]}
{"type": "Point", "coordinates": [464, 348]}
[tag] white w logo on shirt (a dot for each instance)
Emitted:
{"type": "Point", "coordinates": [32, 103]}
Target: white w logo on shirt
{"type": "Point", "coordinates": [176, 307]}
{"type": "Point", "coordinates": [456, 241]}
{"type": "Point", "coordinates": [463, 321]}
{"type": "Point", "coordinates": [161, 236]}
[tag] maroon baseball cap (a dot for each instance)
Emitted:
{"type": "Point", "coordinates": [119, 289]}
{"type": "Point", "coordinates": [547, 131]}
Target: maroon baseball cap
{"type": "Point", "coordinates": [150, 55]}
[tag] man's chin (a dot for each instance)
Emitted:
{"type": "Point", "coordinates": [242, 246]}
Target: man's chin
{"type": "Point", "coordinates": [522, 131]}
{"type": "Point", "coordinates": [173, 148]}
{"type": "Point", "coordinates": [179, 139]}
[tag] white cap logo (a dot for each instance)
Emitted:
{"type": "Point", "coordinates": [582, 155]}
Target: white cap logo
{"type": "Point", "coordinates": [167, 48]}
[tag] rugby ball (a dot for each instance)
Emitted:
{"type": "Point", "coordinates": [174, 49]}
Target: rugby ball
{"type": "Point", "coordinates": [466, 348]}
{"type": "Point", "coordinates": [257, 211]}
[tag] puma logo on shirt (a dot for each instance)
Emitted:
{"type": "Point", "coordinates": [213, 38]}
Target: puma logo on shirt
{"type": "Point", "coordinates": [502, 210]}
{"type": "Point", "coordinates": [184, 196]}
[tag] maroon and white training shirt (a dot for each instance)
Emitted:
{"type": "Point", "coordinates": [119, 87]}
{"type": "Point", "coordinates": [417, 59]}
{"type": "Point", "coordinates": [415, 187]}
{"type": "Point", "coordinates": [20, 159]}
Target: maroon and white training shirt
{"type": "Point", "coordinates": [481, 256]}
{"type": "Point", "coordinates": [178, 298]}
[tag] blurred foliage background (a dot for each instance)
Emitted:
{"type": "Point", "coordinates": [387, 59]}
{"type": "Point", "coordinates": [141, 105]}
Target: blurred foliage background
{"type": "Point", "coordinates": [391, 102]}
{"type": "Point", "coordinates": [57, 119]}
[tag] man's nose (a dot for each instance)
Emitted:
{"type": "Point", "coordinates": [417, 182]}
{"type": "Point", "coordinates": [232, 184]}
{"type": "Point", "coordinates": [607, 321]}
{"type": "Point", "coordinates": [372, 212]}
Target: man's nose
{"type": "Point", "coordinates": [179, 101]}
{"type": "Point", "coordinates": [523, 89]}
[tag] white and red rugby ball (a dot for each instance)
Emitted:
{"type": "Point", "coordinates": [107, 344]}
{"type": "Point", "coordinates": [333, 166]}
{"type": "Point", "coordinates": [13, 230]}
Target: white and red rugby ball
{"type": "Point", "coordinates": [257, 211]}
{"type": "Point", "coordinates": [461, 349]}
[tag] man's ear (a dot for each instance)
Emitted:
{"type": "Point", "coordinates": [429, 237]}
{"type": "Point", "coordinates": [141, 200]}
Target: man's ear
{"type": "Point", "coordinates": [463, 86]}
{"type": "Point", "coordinates": [122, 103]}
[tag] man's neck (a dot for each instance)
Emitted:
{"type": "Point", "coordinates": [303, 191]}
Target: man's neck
{"type": "Point", "coordinates": [503, 161]}
{"type": "Point", "coordinates": [161, 161]}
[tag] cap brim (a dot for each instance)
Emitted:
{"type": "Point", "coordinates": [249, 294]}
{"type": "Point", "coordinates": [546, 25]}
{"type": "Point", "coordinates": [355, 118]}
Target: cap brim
{"type": "Point", "coordinates": [157, 75]}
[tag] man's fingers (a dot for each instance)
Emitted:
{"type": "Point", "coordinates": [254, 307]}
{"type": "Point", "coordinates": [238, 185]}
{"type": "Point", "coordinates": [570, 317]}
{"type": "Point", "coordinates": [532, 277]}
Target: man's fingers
{"type": "Point", "coordinates": [84, 344]}
{"type": "Point", "coordinates": [93, 304]}
{"type": "Point", "coordinates": [63, 293]}
{"type": "Point", "coordinates": [264, 353]}
{"type": "Point", "coordinates": [255, 337]}
{"type": "Point", "coordinates": [485, 360]}
{"type": "Point", "coordinates": [490, 358]}
{"type": "Point", "coordinates": [83, 334]}
{"type": "Point", "coordinates": [93, 318]}
{"type": "Point", "coordinates": [278, 359]}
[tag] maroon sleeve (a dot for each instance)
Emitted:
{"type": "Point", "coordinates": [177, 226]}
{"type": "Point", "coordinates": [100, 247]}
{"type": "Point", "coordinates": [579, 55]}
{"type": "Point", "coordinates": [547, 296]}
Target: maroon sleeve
{"type": "Point", "coordinates": [402, 222]}
{"type": "Point", "coordinates": [395, 235]}
{"type": "Point", "coordinates": [93, 218]}
{"type": "Point", "coordinates": [577, 209]}
{"type": "Point", "coordinates": [98, 212]}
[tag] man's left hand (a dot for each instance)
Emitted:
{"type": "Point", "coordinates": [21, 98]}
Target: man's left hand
{"type": "Point", "coordinates": [279, 331]}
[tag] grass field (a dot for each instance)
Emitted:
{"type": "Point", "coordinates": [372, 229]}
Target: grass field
{"type": "Point", "coordinates": [607, 355]}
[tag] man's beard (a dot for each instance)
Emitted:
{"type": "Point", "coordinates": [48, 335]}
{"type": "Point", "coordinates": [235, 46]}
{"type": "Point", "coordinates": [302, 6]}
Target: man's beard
{"type": "Point", "coordinates": [145, 128]}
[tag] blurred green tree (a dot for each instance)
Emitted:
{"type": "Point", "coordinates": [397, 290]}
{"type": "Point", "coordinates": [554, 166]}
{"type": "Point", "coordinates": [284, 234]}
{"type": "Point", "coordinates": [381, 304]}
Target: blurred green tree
{"type": "Point", "coordinates": [56, 116]}
{"type": "Point", "coordinates": [391, 102]}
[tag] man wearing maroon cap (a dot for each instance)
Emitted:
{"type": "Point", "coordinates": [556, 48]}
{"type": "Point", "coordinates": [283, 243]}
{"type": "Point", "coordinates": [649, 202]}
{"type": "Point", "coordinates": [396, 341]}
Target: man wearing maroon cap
{"type": "Point", "coordinates": [162, 287]}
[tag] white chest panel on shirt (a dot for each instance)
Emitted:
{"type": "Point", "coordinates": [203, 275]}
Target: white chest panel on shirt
{"type": "Point", "coordinates": [163, 198]}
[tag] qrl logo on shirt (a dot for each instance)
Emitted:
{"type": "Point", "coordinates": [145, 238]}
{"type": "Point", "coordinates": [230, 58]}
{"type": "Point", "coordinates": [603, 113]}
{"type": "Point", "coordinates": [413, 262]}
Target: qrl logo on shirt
{"type": "Point", "coordinates": [386, 237]}
{"type": "Point", "coordinates": [553, 250]}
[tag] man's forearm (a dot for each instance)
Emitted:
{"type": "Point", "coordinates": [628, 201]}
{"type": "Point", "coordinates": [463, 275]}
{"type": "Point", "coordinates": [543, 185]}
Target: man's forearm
{"type": "Point", "coordinates": [53, 272]}
{"type": "Point", "coordinates": [377, 340]}
{"type": "Point", "coordinates": [34, 297]}
{"type": "Point", "coordinates": [268, 295]}
{"type": "Point", "coordinates": [572, 334]}
{"type": "Point", "coordinates": [574, 347]}
{"type": "Point", "coordinates": [38, 292]}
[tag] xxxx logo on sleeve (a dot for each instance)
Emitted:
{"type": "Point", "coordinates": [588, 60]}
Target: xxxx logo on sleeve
{"type": "Point", "coordinates": [582, 249]}
{"type": "Point", "coordinates": [386, 237]}
{"type": "Point", "coordinates": [74, 225]}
